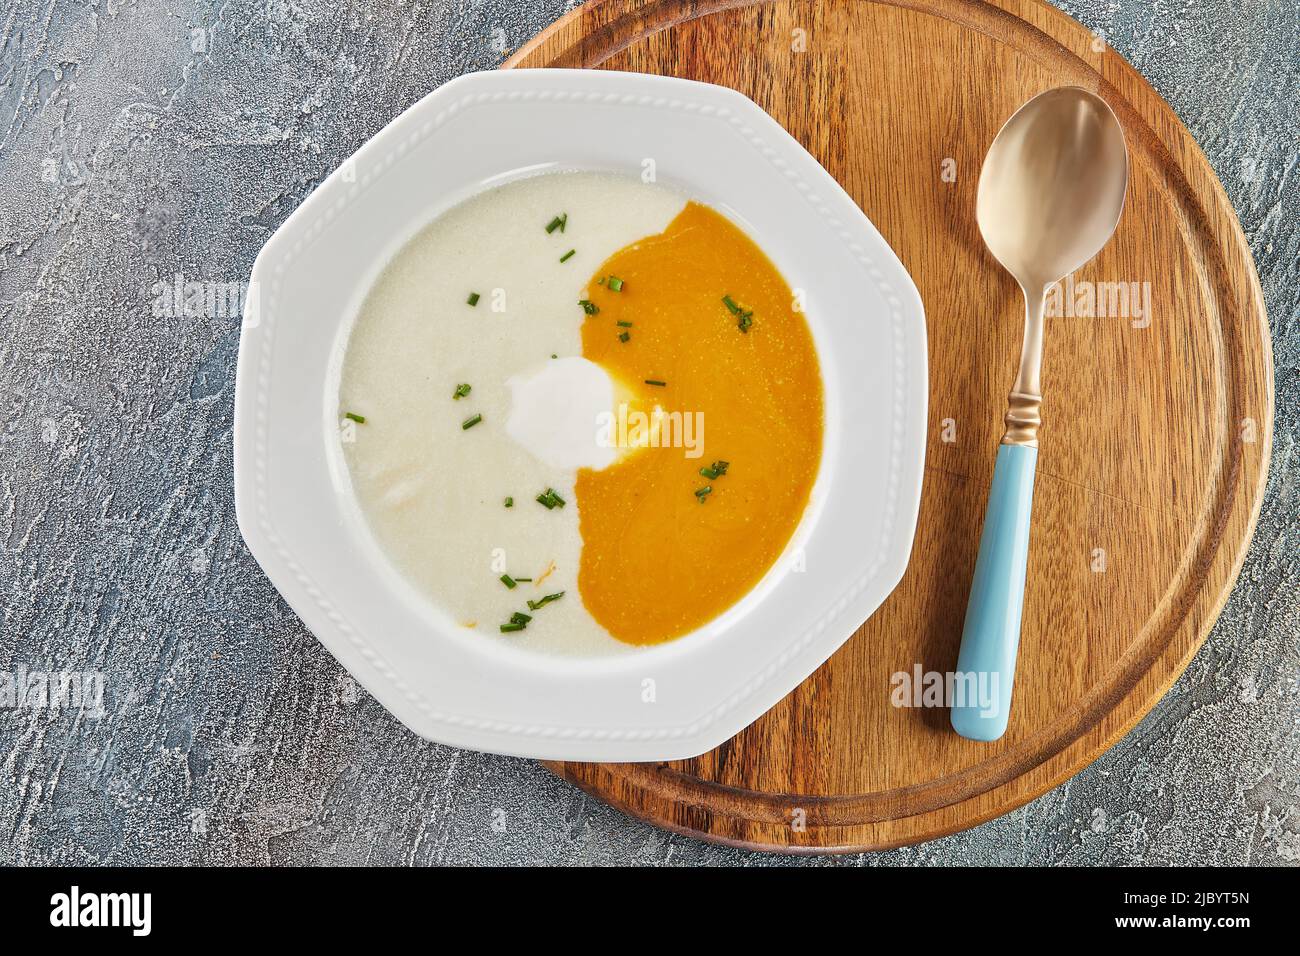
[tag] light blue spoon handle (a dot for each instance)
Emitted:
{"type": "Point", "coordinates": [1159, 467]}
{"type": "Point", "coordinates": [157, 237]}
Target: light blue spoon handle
{"type": "Point", "coordinates": [986, 665]}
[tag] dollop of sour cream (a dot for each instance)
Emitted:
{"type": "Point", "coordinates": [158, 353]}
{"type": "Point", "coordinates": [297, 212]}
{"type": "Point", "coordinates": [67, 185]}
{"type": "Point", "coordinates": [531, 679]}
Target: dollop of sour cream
{"type": "Point", "coordinates": [560, 410]}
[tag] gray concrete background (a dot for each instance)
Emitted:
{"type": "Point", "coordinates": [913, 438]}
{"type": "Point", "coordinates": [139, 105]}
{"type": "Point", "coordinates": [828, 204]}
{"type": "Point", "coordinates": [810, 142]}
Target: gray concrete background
{"type": "Point", "coordinates": [130, 151]}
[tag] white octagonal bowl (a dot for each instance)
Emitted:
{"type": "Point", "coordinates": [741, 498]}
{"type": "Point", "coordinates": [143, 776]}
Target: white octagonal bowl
{"type": "Point", "coordinates": [661, 702]}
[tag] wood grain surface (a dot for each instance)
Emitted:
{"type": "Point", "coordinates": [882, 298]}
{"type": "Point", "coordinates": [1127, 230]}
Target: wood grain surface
{"type": "Point", "coordinates": [1156, 429]}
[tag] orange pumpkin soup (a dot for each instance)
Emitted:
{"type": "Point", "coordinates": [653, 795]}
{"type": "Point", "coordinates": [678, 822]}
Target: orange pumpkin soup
{"type": "Point", "coordinates": [697, 320]}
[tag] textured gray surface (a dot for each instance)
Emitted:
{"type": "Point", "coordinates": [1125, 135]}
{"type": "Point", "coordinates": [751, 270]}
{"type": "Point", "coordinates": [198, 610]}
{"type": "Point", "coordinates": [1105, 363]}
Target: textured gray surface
{"type": "Point", "coordinates": [229, 735]}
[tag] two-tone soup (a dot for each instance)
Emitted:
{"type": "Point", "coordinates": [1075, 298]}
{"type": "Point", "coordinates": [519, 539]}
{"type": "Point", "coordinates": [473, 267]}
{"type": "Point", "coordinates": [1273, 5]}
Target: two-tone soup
{"type": "Point", "coordinates": [581, 413]}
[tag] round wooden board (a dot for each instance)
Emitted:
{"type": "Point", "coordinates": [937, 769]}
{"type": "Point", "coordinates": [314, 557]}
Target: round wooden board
{"type": "Point", "coordinates": [1156, 427]}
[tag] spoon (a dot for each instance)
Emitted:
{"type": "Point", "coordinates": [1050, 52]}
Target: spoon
{"type": "Point", "coordinates": [1050, 195]}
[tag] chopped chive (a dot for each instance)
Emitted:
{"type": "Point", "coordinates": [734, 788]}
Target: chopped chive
{"type": "Point", "coordinates": [508, 581]}
{"type": "Point", "coordinates": [744, 317]}
{"type": "Point", "coordinates": [510, 502]}
{"type": "Point", "coordinates": [626, 325]}
{"type": "Point", "coordinates": [471, 422]}
{"type": "Point", "coordinates": [559, 222]}
{"type": "Point", "coordinates": [655, 381]}
{"type": "Point", "coordinates": [461, 391]}
{"type": "Point", "coordinates": [519, 617]}
{"type": "Point", "coordinates": [568, 255]}
{"type": "Point", "coordinates": [473, 299]}
{"type": "Point", "coordinates": [623, 336]}
{"type": "Point", "coordinates": [591, 308]}
{"type": "Point", "coordinates": [359, 419]}
{"type": "Point", "coordinates": [553, 355]}
{"type": "Point", "coordinates": [716, 470]}
{"type": "Point", "coordinates": [702, 493]}
{"type": "Point", "coordinates": [543, 601]}
{"type": "Point", "coordinates": [550, 500]}
{"type": "Point", "coordinates": [615, 284]}
{"type": "Point", "coordinates": [511, 627]}
{"type": "Point", "coordinates": [523, 579]}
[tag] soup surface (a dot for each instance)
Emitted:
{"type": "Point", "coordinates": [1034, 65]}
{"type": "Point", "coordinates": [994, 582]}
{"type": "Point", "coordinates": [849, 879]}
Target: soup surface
{"type": "Point", "coordinates": [661, 555]}
{"type": "Point", "coordinates": [580, 413]}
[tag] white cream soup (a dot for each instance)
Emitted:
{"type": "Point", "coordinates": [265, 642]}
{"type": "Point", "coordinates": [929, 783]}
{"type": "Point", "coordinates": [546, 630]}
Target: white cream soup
{"type": "Point", "coordinates": [433, 491]}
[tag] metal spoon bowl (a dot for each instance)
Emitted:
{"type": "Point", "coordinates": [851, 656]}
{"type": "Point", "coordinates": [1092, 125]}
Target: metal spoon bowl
{"type": "Point", "coordinates": [1052, 186]}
